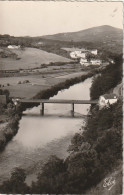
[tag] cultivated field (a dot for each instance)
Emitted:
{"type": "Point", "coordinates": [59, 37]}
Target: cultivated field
{"type": "Point", "coordinates": [29, 58]}
{"type": "Point", "coordinates": [35, 83]}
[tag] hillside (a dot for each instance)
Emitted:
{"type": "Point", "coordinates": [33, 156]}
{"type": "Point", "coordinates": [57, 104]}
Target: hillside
{"type": "Point", "coordinates": [30, 58]}
{"type": "Point", "coordinates": [96, 34]}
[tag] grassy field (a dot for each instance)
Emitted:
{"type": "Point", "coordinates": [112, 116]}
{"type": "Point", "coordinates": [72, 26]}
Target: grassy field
{"type": "Point", "coordinates": [29, 58]}
{"type": "Point", "coordinates": [35, 83]}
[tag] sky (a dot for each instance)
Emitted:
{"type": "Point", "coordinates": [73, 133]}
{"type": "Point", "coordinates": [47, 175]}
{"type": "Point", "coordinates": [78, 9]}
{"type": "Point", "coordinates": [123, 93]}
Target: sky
{"type": "Point", "coordinates": [37, 18]}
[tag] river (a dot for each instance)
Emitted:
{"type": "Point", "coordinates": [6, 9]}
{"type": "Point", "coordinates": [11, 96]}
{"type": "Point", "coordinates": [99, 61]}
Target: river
{"type": "Point", "coordinates": [39, 137]}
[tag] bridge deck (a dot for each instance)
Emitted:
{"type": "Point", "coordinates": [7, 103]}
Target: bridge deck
{"type": "Point", "coordinates": [59, 101]}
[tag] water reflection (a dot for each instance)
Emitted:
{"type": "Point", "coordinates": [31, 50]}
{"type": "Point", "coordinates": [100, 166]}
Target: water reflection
{"type": "Point", "coordinates": [41, 136]}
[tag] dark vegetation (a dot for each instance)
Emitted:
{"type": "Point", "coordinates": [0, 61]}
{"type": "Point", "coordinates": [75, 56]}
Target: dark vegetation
{"type": "Point", "coordinates": [11, 116]}
{"type": "Point", "coordinates": [110, 77]}
{"type": "Point", "coordinates": [93, 152]}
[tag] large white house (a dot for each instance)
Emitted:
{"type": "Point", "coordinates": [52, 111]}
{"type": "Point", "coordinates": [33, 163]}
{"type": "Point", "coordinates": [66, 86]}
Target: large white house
{"type": "Point", "coordinates": [107, 99]}
{"type": "Point", "coordinates": [75, 54]}
{"type": "Point", "coordinates": [81, 55]}
{"type": "Point", "coordinates": [78, 54]}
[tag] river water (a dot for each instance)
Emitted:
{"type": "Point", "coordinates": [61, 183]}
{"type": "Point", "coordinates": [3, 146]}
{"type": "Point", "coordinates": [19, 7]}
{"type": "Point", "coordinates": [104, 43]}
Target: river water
{"type": "Point", "coordinates": [39, 137]}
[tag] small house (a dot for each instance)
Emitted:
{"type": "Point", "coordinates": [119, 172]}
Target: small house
{"type": "Point", "coordinates": [94, 51]}
{"type": "Point", "coordinates": [15, 101]}
{"type": "Point", "coordinates": [107, 99]}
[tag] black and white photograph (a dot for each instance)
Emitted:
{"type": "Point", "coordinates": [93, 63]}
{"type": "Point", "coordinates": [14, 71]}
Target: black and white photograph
{"type": "Point", "coordinates": [61, 97]}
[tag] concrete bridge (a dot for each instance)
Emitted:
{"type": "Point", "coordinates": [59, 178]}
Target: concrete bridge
{"type": "Point", "coordinates": [57, 101]}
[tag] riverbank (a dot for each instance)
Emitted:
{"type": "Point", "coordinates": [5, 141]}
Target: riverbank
{"type": "Point", "coordinates": [9, 126]}
{"type": "Point", "coordinates": [27, 85]}
{"type": "Point", "coordinates": [39, 137]}
{"type": "Point", "coordinates": [20, 89]}
{"type": "Point", "coordinates": [9, 123]}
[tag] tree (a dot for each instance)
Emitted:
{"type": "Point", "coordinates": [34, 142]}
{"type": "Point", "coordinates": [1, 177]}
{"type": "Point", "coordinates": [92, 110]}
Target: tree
{"type": "Point", "coordinates": [16, 183]}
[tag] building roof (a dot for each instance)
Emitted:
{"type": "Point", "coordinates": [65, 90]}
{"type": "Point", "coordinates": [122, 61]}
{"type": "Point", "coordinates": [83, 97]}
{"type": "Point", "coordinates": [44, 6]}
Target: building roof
{"type": "Point", "coordinates": [110, 96]}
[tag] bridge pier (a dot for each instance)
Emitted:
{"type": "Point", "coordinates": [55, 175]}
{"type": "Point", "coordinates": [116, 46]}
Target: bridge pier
{"type": "Point", "coordinates": [42, 109]}
{"type": "Point", "coordinates": [72, 111]}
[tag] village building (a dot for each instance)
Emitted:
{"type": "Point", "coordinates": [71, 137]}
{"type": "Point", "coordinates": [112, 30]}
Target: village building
{"type": "Point", "coordinates": [15, 101]}
{"type": "Point", "coordinates": [13, 47]}
{"type": "Point", "coordinates": [73, 55]}
{"type": "Point", "coordinates": [95, 62]}
{"type": "Point", "coordinates": [94, 51]}
{"type": "Point", "coordinates": [83, 61]}
{"type": "Point", "coordinates": [107, 99]}
{"type": "Point", "coordinates": [78, 54]}
{"type": "Point", "coordinates": [81, 55]}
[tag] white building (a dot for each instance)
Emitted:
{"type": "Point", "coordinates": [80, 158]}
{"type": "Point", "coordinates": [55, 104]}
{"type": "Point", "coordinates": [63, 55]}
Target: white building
{"type": "Point", "coordinates": [107, 99]}
{"type": "Point", "coordinates": [94, 51]}
{"type": "Point", "coordinates": [96, 62]}
{"type": "Point", "coordinates": [78, 54]}
{"type": "Point", "coordinates": [81, 55]}
{"type": "Point", "coordinates": [73, 55]}
{"type": "Point", "coordinates": [13, 47]}
{"type": "Point", "coordinates": [84, 62]}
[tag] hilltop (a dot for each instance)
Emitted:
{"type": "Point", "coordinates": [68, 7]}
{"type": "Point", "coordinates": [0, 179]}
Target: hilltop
{"type": "Point", "coordinates": [95, 34]}
{"type": "Point", "coordinates": [105, 38]}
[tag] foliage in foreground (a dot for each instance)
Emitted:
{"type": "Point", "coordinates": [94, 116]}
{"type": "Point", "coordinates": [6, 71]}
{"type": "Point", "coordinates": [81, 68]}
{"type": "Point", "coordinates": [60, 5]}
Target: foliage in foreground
{"type": "Point", "coordinates": [10, 116]}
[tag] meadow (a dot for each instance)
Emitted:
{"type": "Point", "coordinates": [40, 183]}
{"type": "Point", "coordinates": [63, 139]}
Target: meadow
{"type": "Point", "coordinates": [30, 58]}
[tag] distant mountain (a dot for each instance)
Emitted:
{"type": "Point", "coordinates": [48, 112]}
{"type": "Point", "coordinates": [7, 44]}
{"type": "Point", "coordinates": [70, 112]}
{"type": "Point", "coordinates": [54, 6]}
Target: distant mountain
{"type": "Point", "coordinates": [96, 34]}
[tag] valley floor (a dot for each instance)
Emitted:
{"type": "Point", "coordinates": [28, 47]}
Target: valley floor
{"type": "Point", "coordinates": [36, 82]}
